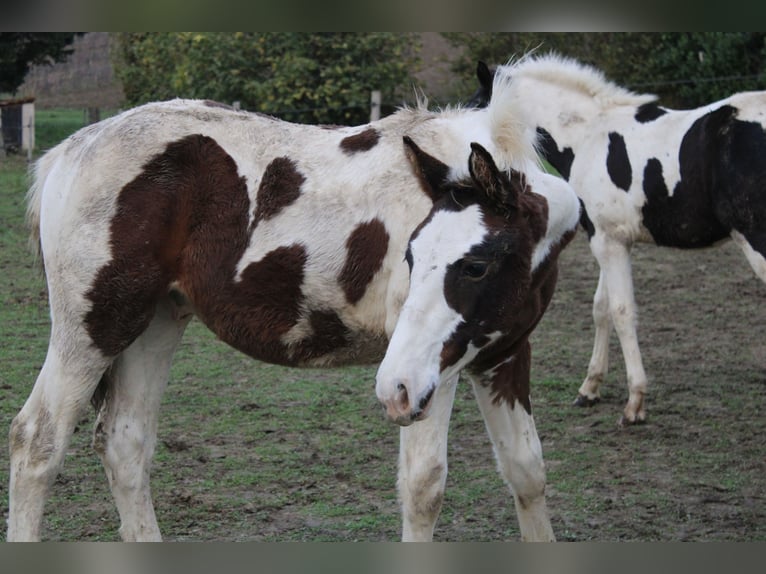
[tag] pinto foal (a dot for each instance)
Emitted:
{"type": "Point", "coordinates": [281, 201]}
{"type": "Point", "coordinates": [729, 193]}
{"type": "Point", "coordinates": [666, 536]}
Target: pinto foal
{"type": "Point", "coordinates": [288, 241]}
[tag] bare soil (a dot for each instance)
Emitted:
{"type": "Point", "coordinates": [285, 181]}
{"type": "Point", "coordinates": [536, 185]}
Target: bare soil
{"type": "Point", "coordinates": [697, 469]}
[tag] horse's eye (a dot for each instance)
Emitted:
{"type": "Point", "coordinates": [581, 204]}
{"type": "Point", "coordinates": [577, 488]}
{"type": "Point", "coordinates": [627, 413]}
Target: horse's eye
{"type": "Point", "coordinates": [474, 269]}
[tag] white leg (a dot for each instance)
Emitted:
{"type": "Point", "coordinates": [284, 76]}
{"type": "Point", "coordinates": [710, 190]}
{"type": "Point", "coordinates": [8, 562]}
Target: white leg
{"type": "Point", "coordinates": [423, 467]}
{"type": "Point", "coordinates": [754, 258]}
{"type": "Point", "coordinates": [614, 259]}
{"type": "Point", "coordinates": [520, 461]}
{"type": "Point", "coordinates": [599, 361]}
{"type": "Point", "coordinates": [126, 429]}
{"type": "Point", "coordinates": [41, 432]}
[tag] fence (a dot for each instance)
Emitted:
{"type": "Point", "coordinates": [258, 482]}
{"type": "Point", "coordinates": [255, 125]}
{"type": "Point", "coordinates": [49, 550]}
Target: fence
{"type": "Point", "coordinates": [17, 122]}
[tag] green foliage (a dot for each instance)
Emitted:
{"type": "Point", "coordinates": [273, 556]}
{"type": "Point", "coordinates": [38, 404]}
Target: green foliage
{"type": "Point", "coordinates": [20, 50]}
{"type": "Point", "coordinates": [685, 69]}
{"type": "Point", "coordinates": [311, 78]}
{"type": "Point", "coordinates": [708, 66]}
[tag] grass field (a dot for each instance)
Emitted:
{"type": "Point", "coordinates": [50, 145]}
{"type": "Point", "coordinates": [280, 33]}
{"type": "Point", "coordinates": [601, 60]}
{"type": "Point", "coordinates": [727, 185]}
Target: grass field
{"type": "Point", "coordinates": [249, 451]}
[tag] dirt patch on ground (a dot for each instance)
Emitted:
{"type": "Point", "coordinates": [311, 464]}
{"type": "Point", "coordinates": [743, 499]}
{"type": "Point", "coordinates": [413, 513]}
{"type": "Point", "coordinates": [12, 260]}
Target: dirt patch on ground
{"type": "Point", "coordinates": [697, 469]}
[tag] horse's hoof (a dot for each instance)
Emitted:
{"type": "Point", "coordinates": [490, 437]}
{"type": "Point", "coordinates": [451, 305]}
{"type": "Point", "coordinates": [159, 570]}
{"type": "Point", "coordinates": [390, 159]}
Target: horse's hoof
{"type": "Point", "coordinates": [583, 401]}
{"type": "Point", "coordinates": [625, 421]}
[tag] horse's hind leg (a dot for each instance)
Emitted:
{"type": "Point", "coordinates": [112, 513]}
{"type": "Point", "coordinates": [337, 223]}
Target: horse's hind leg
{"type": "Point", "coordinates": [754, 248]}
{"type": "Point", "coordinates": [41, 432]}
{"type": "Point", "coordinates": [126, 428]}
{"type": "Point", "coordinates": [598, 367]}
{"type": "Point", "coordinates": [614, 259]}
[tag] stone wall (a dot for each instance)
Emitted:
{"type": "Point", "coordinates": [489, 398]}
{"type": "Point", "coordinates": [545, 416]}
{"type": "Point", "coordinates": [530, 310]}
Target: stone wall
{"type": "Point", "coordinates": [85, 80]}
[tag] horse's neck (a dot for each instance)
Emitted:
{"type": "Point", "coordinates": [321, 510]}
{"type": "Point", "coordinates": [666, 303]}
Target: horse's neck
{"type": "Point", "coordinates": [564, 113]}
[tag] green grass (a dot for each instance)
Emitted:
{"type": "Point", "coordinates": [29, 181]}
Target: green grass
{"type": "Point", "coordinates": [52, 126]}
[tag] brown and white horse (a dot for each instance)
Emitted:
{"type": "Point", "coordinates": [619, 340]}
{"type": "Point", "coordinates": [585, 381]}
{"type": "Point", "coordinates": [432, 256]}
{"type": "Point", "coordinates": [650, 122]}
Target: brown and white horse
{"type": "Point", "coordinates": [288, 242]}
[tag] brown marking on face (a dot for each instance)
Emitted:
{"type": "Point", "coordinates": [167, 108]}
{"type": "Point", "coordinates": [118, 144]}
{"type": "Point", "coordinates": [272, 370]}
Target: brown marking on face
{"type": "Point", "coordinates": [280, 186]}
{"type": "Point", "coordinates": [365, 249]}
{"type": "Point", "coordinates": [510, 299]}
{"type": "Point", "coordinates": [183, 222]}
{"type": "Point", "coordinates": [363, 141]}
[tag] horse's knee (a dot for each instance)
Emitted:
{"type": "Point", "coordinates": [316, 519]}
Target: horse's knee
{"type": "Point", "coordinates": [524, 472]}
{"type": "Point", "coordinates": [422, 492]}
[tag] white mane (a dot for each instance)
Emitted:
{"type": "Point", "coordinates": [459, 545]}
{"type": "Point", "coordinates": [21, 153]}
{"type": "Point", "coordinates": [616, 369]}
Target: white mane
{"type": "Point", "coordinates": [513, 136]}
{"type": "Point", "coordinates": [571, 74]}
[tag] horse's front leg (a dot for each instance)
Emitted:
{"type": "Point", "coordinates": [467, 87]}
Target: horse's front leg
{"type": "Point", "coordinates": [423, 466]}
{"type": "Point", "coordinates": [518, 451]}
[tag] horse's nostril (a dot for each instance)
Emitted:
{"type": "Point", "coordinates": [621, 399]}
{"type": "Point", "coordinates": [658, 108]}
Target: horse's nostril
{"type": "Point", "coordinates": [425, 399]}
{"type": "Point", "coordinates": [402, 396]}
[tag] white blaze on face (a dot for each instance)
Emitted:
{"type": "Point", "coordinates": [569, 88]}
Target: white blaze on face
{"type": "Point", "coordinates": [426, 321]}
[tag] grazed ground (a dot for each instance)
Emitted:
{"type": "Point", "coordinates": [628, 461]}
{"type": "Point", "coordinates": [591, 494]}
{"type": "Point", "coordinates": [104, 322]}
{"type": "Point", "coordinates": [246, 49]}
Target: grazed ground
{"type": "Point", "coordinates": [697, 469]}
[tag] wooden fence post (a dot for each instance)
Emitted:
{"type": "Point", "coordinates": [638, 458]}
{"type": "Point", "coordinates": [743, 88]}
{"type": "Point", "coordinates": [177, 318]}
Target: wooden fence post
{"type": "Point", "coordinates": [375, 99]}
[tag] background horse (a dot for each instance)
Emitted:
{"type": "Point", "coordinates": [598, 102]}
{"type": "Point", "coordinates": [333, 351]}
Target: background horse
{"type": "Point", "coordinates": [288, 242]}
{"type": "Point", "coordinates": [644, 173]}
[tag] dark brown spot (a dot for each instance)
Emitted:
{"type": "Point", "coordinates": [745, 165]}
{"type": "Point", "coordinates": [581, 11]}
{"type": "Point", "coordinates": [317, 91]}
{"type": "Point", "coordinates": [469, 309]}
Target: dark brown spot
{"type": "Point", "coordinates": [328, 334]}
{"type": "Point", "coordinates": [280, 186]}
{"type": "Point", "coordinates": [363, 141]}
{"type": "Point", "coordinates": [184, 221]}
{"type": "Point", "coordinates": [510, 382]}
{"type": "Point", "coordinates": [187, 208]}
{"type": "Point", "coordinates": [254, 313]}
{"type": "Point", "coordinates": [365, 249]}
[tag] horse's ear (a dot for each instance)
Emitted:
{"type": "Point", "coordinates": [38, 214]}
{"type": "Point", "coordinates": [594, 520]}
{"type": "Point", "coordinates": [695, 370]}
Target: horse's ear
{"type": "Point", "coordinates": [485, 76]}
{"type": "Point", "coordinates": [503, 191]}
{"type": "Point", "coordinates": [431, 172]}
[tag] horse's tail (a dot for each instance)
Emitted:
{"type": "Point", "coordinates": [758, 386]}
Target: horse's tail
{"type": "Point", "coordinates": [38, 173]}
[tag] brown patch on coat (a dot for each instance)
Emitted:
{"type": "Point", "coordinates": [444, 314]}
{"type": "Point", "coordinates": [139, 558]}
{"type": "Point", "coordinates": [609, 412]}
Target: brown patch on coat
{"type": "Point", "coordinates": [280, 186]}
{"type": "Point", "coordinates": [184, 222]}
{"type": "Point", "coordinates": [328, 334]}
{"type": "Point", "coordinates": [363, 141]}
{"type": "Point", "coordinates": [365, 249]}
{"type": "Point", "coordinates": [182, 197]}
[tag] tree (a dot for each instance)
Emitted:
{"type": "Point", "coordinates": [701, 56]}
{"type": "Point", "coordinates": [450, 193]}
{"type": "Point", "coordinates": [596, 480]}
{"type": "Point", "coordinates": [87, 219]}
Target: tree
{"type": "Point", "coordinates": [20, 50]}
{"type": "Point", "coordinates": [685, 69]}
{"type": "Point", "coordinates": [312, 78]}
